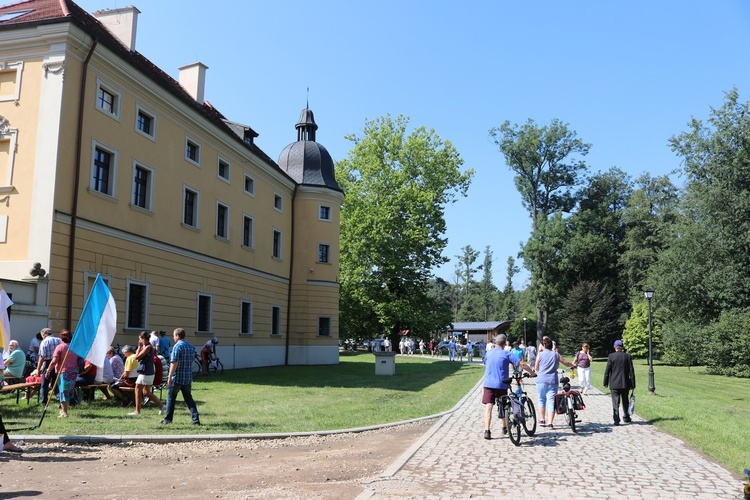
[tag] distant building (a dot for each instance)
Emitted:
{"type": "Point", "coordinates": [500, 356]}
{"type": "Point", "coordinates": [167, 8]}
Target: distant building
{"type": "Point", "coordinates": [108, 165]}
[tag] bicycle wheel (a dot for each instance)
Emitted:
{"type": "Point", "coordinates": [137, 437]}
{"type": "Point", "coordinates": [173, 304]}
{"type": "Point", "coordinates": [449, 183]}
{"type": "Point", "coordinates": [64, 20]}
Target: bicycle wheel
{"type": "Point", "coordinates": [197, 367]}
{"type": "Point", "coordinates": [215, 367]}
{"type": "Point", "coordinates": [514, 426]}
{"type": "Point", "coordinates": [570, 416]}
{"type": "Point", "coordinates": [529, 421]}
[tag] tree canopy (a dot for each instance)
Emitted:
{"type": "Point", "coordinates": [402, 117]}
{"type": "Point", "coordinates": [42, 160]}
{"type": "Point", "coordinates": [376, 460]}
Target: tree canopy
{"type": "Point", "coordinates": [397, 184]}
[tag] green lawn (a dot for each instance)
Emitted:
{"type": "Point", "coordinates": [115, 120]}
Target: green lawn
{"type": "Point", "coordinates": [276, 399]}
{"type": "Point", "coordinates": [709, 412]}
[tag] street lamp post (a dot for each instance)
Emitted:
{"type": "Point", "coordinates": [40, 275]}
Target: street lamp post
{"type": "Point", "coordinates": [524, 332]}
{"type": "Point", "coordinates": [649, 293]}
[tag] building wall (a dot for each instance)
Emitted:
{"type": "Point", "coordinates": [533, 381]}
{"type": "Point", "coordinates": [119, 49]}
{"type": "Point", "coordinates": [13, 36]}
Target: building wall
{"type": "Point", "coordinates": [152, 247]}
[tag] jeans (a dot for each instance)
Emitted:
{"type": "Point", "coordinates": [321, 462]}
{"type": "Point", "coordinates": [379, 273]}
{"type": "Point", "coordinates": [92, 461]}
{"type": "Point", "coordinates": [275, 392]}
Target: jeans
{"type": "Point", "coordinates": [546, 396]}
{"type": "Point", "coordinates": [186, 395]}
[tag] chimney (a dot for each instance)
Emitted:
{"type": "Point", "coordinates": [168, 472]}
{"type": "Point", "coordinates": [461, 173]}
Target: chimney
{"type": "Point", "coordinates": [193, 79]}
{"type": "Point", "coordinates": [122, 22]}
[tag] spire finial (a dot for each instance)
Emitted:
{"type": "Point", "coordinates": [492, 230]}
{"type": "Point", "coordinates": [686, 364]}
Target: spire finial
{"type": "Point", "coordinates": [307, 99]}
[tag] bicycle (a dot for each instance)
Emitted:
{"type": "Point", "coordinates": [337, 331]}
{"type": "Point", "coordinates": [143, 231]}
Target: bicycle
{"type": "Point", "coordinates": [568, 402]}
{"type": "Point", "coordinates": [215, 366]}
{"type": "Point", "coordinates": [519, 409]}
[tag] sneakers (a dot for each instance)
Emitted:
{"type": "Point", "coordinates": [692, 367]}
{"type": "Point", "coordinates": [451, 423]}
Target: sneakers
{"type": "Point", "coordinates": [627, 420]}
{"type": "Point", "coordinates": [505, 430]}
{"type": "Point", "coordinates": [165, 422]}
{"type": "Point", "coordinates": [196, 422]}
{"type": "Point", "coordinates": [162, 411]}
{"type": "Point", "coordinates": [487, 434]}
{"type": "Point", "coordinates": [133, 414]}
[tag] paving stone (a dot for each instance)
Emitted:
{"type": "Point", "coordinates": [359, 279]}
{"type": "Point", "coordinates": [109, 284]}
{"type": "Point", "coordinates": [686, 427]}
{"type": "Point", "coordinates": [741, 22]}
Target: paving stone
{"type": "Point", "coordinates": [633, 460]}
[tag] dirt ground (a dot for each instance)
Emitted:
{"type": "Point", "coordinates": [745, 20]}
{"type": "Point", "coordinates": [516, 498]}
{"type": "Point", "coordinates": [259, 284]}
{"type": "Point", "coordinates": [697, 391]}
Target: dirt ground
{"type": "Point", "coordinates": [311, 467]}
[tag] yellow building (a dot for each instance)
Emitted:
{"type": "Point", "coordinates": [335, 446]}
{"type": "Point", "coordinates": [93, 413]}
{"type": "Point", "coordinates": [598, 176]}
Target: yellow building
{"type": "Point", "coordinates": [108, 165]}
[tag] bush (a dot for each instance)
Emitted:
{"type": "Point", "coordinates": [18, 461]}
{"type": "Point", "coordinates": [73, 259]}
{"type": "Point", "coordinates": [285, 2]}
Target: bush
{"type": "Point", "coordinates": [728, 349]}
{"type": "Point", "coordinates": [635, 334]}
{"type": "Point", "coordinates": [683, 343]}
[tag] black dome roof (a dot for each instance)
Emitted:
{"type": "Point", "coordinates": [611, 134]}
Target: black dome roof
{"type": "Point", "coordinates": [306, 161]}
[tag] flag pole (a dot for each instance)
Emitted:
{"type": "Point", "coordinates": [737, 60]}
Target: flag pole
{"type": "Point", "coordinates": [49, 396]}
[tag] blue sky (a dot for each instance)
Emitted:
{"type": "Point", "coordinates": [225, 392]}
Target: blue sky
{"type": "Point", "coordinates": [625, 75]}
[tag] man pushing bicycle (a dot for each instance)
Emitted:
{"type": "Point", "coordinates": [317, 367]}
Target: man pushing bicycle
{"type": "Point", "coordinates": [497, 367]}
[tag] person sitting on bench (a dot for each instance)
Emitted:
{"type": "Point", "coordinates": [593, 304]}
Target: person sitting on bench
{"type": "Point", "coordinates": [128, 377]}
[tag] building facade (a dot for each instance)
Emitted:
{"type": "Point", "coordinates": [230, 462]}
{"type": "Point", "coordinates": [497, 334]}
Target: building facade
{"type": "Point", "coordinates": [110, 166]}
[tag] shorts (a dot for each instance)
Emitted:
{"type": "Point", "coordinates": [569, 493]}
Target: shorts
{"type": "Point", "coordinates": [489, 396]}
{"type": "Point", "coordinates": [144, 379]}
{"type": "Point", "coordinates": [206, 353]}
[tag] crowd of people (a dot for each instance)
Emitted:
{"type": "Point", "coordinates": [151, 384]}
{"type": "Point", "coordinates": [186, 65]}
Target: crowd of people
{"type": "Point", "coordinates": [502, 358]}
{"type": "Point", "coordinates": [130, 376]}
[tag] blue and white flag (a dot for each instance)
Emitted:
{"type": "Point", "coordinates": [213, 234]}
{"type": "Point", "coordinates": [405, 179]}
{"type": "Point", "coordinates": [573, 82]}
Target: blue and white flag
{"type": "Point", "coordinates": [97, 325]}
{"type": "Point", "coordinates": [5, 303]}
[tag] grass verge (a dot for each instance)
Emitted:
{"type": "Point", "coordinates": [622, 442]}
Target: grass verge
{"type": "Point", "coordinates": [708, 412]}
{"type": "Point", "coordinates": [275, 399]}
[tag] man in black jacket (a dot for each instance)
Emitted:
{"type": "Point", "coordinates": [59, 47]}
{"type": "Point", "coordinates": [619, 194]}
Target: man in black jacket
{"type": "Point", "coordinates": [620, 377]}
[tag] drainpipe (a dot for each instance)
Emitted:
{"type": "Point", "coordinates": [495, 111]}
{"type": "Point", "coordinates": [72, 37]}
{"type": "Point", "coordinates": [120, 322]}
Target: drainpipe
{"type": "Point", "coordinates": [291, 276]}
{"type": "Point", "coordinates": [74, 212]}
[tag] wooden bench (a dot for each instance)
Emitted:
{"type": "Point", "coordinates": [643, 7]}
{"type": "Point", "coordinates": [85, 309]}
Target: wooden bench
{"type": "Point", "coordinates": [20, 387]}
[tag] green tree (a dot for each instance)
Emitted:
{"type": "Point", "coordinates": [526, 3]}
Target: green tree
{"type": "Point", "coordinates": [682, 343]}
{"type": "Point", "coordinates": [509, 308]}
{"type": "Point", "coordinates": [588, 313]}
{"type": "Point", "coordinates": [397, 185]}
{"type": "Point", "coordinates": [489, 293]}
{"type": "Point", "coordinates": [703, 273]}
{"type": "Point", "coordinates": [635, 334]}
{"type": "Point", "coordinates": [547, 173]}
{"type": "Point", "coordinates": [544, 255]}
{"type": "Point", "coordinates": [727, 350]}
{"type": "Point", "coordinates": [649, 219]}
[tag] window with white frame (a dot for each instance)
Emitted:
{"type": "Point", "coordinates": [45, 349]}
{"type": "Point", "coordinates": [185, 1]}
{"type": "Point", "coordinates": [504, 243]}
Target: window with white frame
{"type": "Point", "coordinates": [246, 316]}
{"type": "Point", "coordinates": [222, 170]}
{"type": "Point", "coordinates": [222, 220]}
{"type": "Point", "coordinates": [143, 179]}
{"type": "Point", "coordinates": [277, 202]}
{"type": "Point", "coordinates": [190, 207]}
{"type": "Point", "coordinates": [324, 326]}
{"type": "Point", "coordinates": [104, 170]}
{"type": "Point", "coordinates": [137, 304]}
{"type": "Point", "coordinates": [276, 253]}
{"type": "Point", "coordinates": [205, 304]}
{"type": "Point", "coordinates": [89, 277]}
{"type": "Point", "coordinates": [145, 123]}
{"type": "Point", "coordinates": [193, 151]}
{"type": "Point", "coordinates": [323, 253]}
{"type": "Point", "coordinates": [247, 231]}
{"type": "Point", "coordinates": [249, 185]}
{"type": "Point", "coordinates": [324, 213]}
{"type": "Point", "coordinates": [108, 100]}
{"type": "Point", "coordinates": [10, 80]}
{"type": "Point", "coordinates": [8, 139]}
{"type": "Point", "coordinates": [275, 320]}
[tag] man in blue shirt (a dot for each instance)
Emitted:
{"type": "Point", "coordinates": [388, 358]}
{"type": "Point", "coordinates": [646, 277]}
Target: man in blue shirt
{"type": "Point", "coordinates": [497, 367]}
{"type": "Point", "coordinates": [180, 378]}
